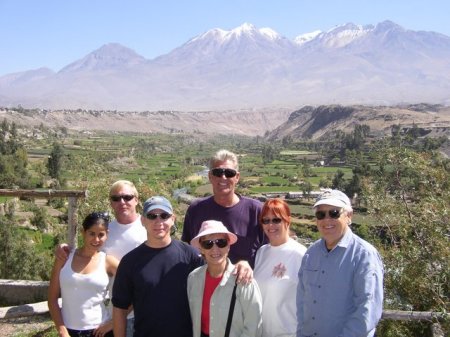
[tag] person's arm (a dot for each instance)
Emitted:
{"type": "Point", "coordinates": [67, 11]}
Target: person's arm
{"type": "Point", "coordinates": [368, 297]}
{"type": "Point", "coordinates": [187, 225]}
{"type": "Point", "coordinates": [103, 329]}
{"type": "Point", "coordinates": [54, 291]}
{"type": "Point", "coordinates": [243, 272]}
{"type": "Point", "coordinates": [111, 265]}
{"type": "Point", "coordinates": [120, 321]}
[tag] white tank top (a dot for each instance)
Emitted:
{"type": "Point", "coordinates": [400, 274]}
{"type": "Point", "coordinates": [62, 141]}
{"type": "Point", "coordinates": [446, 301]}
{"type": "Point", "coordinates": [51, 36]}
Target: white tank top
{"type": "Point", "coordinates": [83, 295]}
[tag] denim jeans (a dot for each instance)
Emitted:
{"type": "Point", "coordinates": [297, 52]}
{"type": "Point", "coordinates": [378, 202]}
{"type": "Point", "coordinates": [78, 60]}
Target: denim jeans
{"type": "Point", "coordinates": [130, 327]}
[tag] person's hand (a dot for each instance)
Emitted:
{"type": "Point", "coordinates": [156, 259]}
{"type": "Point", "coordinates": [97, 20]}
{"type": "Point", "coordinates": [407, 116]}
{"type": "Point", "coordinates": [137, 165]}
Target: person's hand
{"type": "Point", "coordinates": [62, 252]}
{"type": "Point", "coordinates": [244, 272]}
{"type": "Point", "coordinates": [103, 329]}
{"type": "Point", "coordinates": [62, 332]}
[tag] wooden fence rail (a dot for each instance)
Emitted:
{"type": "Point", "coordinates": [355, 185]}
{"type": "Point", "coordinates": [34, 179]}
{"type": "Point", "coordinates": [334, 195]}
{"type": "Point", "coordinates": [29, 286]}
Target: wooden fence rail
{"type": "Point", "coordinates": [73, 197]}
{"type": "Point", "coordinates": [41, 308]}
{"type": "Point", "coordinates": [429, 316]}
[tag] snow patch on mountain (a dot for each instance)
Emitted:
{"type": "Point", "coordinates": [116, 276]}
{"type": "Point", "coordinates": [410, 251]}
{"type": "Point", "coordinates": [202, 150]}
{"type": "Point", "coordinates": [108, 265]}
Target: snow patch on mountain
{"type": "Point", "coordinates": [303, 38]}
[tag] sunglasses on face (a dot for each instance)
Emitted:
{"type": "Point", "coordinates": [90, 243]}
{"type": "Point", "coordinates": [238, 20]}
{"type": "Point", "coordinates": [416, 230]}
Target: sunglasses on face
{"type": "Point", "coordinates": [125, 197]}
{"type": "Point", "coordinates": [275, 221]}
{"type": "Point", "coordinates": [208, 244]}
{"type": "Point", "coordinates": [162, 216]}
{"type": "Point", "coordinates": [219, 172]}
{"type": "Point", "coordinates": [332, 213]}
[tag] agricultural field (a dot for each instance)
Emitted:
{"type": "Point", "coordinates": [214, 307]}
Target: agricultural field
{"type": "Point", "coordinates": [162, 164]}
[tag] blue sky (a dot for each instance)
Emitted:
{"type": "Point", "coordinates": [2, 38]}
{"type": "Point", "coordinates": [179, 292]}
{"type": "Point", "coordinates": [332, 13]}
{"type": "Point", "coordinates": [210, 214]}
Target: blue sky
{"type": "Point", "coordinates": [54, 33]}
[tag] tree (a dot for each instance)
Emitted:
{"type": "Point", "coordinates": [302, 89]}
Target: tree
{"type": "Point", "coordinates": [13, 158]}
{"type": "Point", "coordinates": [409, 197]}
{"type": "Point", "coordinates": [19, 259]}
{"type": "Point", "coordinates": [54, 163]}
{"type": "Point", "coordinates": [338, 181]}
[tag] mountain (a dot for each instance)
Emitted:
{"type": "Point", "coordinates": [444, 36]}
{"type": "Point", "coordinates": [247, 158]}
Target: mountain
{"type": "Point", "coordinates": [249, 68]}
{"type": "Point", "coordinates": [109, 57]}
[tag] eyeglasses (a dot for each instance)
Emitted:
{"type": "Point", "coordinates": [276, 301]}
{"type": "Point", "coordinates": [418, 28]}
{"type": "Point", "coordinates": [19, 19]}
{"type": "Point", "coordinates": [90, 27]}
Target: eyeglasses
{"type": "Point", "coordinates": [219, 172]}
{"type": "Point", "coordinates": [162, 216]}
{"type": "Point", "coordinates": [125, 197]}
{"type": "Point", "coordinates": [208, 244]}
{"type": "Point", "coordinates": [275, 221]}
{"type": "Point", "coordinates": [332, 213]}
{"type": "Point", "coordinates": [98, 215]}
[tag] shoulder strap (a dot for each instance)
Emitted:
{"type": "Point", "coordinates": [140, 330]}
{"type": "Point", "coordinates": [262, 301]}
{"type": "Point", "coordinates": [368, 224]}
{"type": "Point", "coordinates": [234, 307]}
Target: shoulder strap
{"type": "Point", "coordinates": [230, 313]}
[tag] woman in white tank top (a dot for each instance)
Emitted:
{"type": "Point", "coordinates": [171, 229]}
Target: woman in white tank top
{"type": "Point", "coordinates": [82, 282]}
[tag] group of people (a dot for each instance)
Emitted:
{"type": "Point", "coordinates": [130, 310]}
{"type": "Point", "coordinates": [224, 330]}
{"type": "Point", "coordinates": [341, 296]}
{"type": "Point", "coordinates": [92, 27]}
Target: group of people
{"type": "Point", "coordinates": [235, 272]}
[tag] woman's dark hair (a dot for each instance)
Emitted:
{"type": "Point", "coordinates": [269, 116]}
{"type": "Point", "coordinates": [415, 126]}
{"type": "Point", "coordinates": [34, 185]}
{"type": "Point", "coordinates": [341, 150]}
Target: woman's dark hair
{"type": "Point", "coordinates": [95, 218]}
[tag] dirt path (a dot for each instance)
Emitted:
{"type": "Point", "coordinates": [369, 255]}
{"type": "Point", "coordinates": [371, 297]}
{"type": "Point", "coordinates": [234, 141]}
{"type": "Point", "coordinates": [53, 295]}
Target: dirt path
{"type": "Point", "coordinates": [25, 325]}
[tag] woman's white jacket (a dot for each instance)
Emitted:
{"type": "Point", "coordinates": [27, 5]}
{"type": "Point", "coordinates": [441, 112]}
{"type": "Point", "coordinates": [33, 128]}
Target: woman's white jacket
{"type": "Point", "coordinates": [247, 310]}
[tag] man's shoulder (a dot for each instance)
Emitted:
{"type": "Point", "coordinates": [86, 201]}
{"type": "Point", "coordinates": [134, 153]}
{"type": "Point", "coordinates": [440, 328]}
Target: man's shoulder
{"type": "Point", "coordinates": [363, 245]}
{"type": "Point", "coordinates": [315, 245]}
{"type": "Point", "coordinates": [185, 247]}
{"type": "Point", "coordinates": [200, 202]}
{"type": "Point", "coordinates": [249, 200]}
{"type": "Point", "coordinates": [134, 253]}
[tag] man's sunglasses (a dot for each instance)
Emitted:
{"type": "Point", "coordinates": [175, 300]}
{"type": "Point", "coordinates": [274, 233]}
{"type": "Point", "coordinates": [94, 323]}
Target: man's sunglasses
{"type": "Point", "coordinates": [162, 216]}
{"type": "Point", "coordinates": [332, 213]}
{"type": "Point", "coordinates": [126, 197]}
{"type": "Point", "coordinates": [219, 172]}
{"type": "Point", "coordinates": [208, 244]}
{"type": "Point", "coordinates": [275, 221]}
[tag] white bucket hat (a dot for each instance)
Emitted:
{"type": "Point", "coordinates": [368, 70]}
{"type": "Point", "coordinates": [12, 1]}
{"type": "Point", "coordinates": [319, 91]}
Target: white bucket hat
{"type": "Point", "coordinates": [213, 227]}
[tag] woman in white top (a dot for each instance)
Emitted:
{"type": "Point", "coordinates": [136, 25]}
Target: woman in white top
{"type": "Point", "coordinates": [82, 282]}
{"type": "Point", "coordinates": [276, 270]}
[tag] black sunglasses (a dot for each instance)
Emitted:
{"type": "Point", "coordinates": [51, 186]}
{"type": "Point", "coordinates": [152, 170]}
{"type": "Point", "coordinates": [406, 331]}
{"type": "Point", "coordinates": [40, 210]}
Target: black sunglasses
{"type": "Point", "coordinates": [163, 216]}
{"type": "Point", "coordinates": [126, 197]}
{"type": "Point", "coordinates": [98, 215]}
{"type": "Point", "coordinates": [275, 221]}
{"type": "Point", "coordinates": [332, 213]}
{"type": "Point", "coordinates": [208, 244]}
{"type": "Point", "coordinates": [219, 172]}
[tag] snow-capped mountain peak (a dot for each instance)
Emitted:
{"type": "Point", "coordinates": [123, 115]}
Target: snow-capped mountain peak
{"type": "Point", "coordinates": [270, 33]}
{"type": "Point", "coordinates": [303, 38]}
{"type": "Point", "coordinates": [244, 30]}
{"type": "Point", "coordinates": [342, 35]}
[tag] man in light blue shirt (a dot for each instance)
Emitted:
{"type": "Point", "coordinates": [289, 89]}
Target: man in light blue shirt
{"type": "Point", "coordinates": [340, 290]}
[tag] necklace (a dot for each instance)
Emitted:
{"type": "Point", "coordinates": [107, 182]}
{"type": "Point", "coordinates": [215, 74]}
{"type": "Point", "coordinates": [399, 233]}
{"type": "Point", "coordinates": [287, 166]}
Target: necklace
{"type": "Point", "coordinates": [78, 253]}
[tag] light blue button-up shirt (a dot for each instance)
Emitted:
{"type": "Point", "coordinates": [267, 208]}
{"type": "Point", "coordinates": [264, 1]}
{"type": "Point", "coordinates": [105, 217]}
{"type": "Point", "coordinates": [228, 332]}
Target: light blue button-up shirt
{"type": "Point", "coordinates": [340, 293]}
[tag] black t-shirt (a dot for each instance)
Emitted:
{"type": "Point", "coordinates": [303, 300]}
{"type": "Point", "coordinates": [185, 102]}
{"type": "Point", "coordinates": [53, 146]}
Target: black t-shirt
{"type": "Point", "coordinates": [154, 281]}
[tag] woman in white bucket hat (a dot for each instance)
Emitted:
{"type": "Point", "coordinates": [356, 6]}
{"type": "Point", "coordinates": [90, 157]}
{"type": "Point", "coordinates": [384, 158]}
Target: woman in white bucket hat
{"type": "Point", "coordinates": [210, 288]}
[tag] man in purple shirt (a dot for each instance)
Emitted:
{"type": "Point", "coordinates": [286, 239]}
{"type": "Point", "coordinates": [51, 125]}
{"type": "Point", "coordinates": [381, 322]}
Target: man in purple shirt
{"type": "Point", "coordinates": [238, 213]}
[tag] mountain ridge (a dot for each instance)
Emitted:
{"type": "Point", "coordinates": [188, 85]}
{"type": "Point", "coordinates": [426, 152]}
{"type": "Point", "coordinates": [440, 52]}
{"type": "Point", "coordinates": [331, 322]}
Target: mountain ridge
{"type": "Point", "coordinates": [249, 68]}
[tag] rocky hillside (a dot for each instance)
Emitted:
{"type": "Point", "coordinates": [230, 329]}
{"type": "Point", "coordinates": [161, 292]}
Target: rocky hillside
{"type": "Point", "coordinates": [306, 123]}
{"type": "Point", "coordinates": [239, 122]}
{"type": "Point", "coordinates": [319, 122]}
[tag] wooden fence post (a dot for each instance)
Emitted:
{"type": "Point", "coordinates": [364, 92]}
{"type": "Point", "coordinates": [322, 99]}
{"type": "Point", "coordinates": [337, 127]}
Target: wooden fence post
{"type": "Point", "coordinates": [72, 222]}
